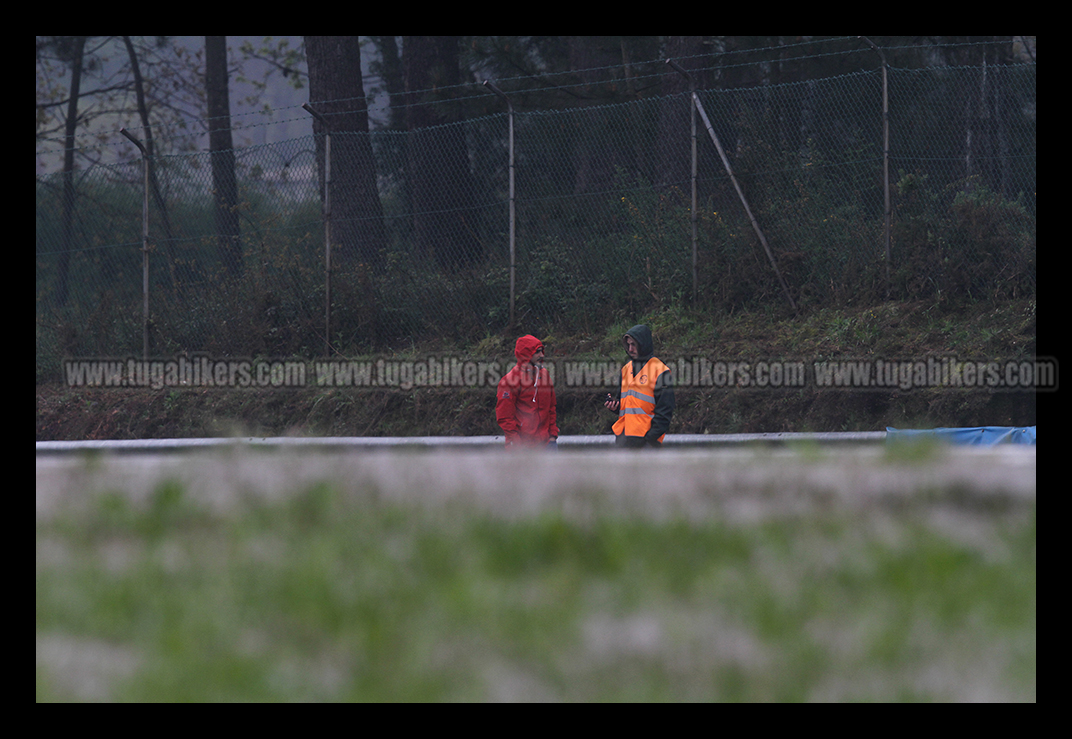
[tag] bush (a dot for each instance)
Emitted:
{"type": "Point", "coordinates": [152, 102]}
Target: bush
{"type": "Point", "coordinates": [964, 243]}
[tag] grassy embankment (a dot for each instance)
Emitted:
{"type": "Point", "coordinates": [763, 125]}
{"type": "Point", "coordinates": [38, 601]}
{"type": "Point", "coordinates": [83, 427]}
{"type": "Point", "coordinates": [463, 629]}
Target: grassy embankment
{"type": "Point", "coordinates": [898, 331]}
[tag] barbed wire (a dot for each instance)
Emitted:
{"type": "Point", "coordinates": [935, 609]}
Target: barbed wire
{"type": "Point", "coordinates": [445, 93]}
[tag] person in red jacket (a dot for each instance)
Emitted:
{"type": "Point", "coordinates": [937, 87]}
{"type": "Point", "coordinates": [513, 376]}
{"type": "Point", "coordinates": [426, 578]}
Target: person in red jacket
{"type": "Point", "coordinates": [525, 399]}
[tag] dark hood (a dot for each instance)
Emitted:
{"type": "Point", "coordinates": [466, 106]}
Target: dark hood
{"type": "Point", "coordinates": [642, 336]}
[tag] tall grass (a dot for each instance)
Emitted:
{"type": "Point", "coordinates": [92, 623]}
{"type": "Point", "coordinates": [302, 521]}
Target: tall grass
{"type": "Point", "coordinates": [339, 595]}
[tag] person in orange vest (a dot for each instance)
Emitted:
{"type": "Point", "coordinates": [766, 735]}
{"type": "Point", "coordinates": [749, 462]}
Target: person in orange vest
{"type": "Point", "coordinates": [645, 403]}
{"type": "Point", "coordinates": [525, 404]}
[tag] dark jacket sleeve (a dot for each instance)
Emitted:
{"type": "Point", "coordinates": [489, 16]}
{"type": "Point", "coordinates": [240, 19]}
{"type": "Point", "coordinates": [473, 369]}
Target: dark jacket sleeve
{"type": "Point", "coordinates": [552, 415]}
{"type": "Point", "coordinates": [664, 406]}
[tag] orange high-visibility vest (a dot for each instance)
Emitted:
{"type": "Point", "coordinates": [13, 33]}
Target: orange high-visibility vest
{"type": "Point", "coordinates": [638, 399]}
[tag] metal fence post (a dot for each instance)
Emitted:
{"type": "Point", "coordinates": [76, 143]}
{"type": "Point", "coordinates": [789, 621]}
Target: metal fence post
{"type": "Point", "coordinates": [510, 115]}
{"type": "Point", "coordinates": [144, 244]}
{"type": "Point", "coordinates": [695, 171]}
{"type": "Point", "coordinates": [327, 226]}
{"type": "Point", "coordinates": [885, 153]}
{"type": "Point", "coordinates": [740, 193]}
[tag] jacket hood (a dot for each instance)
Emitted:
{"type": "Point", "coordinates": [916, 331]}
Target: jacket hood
{"type": "Point", "coordinates": [642, 336]}
{"type": "Point", "coordinates": [525, 347]}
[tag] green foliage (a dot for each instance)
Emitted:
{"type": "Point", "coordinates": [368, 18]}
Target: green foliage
{"type": "Point", "coordinates": [638, 264]}
{"type": "Point", "coordinates": [333, 595]}
{"type": "Point", "coordinates": [960, 243]}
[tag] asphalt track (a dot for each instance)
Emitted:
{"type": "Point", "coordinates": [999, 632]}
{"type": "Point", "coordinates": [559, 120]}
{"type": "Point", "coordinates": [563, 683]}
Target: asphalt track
{"type": "Point", "coordinates": [733, 480]}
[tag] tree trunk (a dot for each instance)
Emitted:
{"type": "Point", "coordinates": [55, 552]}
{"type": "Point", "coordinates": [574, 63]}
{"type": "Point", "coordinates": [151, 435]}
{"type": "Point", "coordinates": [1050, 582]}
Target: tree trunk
{"type": "Point", "coordinates": [224, 183]}
{"type": "Point", "coordinates": [63, 286]}
{"type": "Point", "coordinates": [596, 154]}
{"type": "Point", "coordinates": [391, 71]}
{"type": "Point", "coordinates": [337, 93]}
{"type": "Point", "coordinates": [441, 187]}
{"type": "Point", "coordinates": [154, 182]}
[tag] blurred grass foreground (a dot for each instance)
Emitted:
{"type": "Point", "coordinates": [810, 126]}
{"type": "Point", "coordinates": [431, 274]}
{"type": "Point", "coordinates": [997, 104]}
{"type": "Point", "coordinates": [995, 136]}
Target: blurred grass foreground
{"type": "Point", "coordinates": [687, 576]}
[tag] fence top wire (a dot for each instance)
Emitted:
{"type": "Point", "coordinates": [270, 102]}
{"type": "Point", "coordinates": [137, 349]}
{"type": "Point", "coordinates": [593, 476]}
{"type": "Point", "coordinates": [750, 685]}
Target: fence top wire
{"type": "Point", "coordinates": [725, 60]}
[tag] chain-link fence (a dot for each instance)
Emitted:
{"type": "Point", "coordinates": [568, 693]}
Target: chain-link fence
{"type": "Point", "coordinates": [420, 221]}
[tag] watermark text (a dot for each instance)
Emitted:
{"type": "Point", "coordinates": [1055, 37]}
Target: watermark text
{"type": "Point", "coordinates": [935, 372]}
{"type": "Point", "coordinates": [599, 374]}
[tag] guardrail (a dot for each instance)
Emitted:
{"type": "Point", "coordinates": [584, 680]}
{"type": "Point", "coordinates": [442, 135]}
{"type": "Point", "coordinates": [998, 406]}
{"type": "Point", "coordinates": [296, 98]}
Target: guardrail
{"type": "Point", "coordinates": [442, 442]}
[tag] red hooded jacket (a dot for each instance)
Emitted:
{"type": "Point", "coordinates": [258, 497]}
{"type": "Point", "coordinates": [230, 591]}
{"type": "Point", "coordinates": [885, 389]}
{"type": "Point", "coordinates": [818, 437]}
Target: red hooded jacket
{"type": "Point", "coordinates": [525, 399]}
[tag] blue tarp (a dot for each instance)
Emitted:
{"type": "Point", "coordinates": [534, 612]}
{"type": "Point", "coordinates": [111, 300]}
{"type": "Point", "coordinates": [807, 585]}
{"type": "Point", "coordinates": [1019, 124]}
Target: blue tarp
{"type": "Point", "coordinates": [978, 435]}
